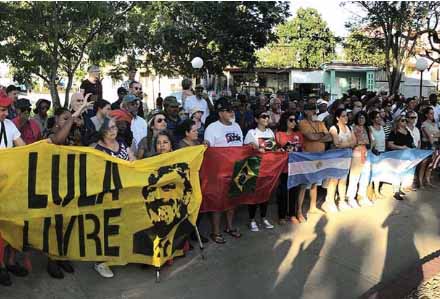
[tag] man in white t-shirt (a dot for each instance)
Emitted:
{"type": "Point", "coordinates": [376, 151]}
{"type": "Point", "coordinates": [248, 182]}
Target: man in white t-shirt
{"type": "Point", "coordinates": [9, 137]}
{"type": "Point", "coordinates": [223, 133]}
{"type": "Point", "coordinates": [197, 101]}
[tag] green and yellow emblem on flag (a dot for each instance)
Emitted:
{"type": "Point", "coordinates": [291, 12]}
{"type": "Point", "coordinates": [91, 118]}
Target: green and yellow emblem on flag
{"type": "Point", "coordinates": [244, 177]}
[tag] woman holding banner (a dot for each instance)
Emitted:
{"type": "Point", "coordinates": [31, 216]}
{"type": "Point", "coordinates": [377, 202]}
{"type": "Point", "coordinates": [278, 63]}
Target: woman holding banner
{"type": "Point", "coordinates": [109, 144]}
{"type": "Point", "coordinates": [430, 138]}
{"type": "Point", "coordinates": [289, 140]}
{"type": "Point", "coordinates": [359, 162]}
{"type": "Point", "coordinates": [400, 138]}
{"type": "Point", "coordinates": [378, 143]}
{"type": "Point", "coordinates": [343, 137]}
{"type": "Point", "coordinates": [262, 139]}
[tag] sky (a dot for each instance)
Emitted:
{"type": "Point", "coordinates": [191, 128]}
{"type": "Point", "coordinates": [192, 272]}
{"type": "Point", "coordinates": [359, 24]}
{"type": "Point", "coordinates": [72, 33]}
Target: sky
{"type": "Point", "coordinates": [331, 12]}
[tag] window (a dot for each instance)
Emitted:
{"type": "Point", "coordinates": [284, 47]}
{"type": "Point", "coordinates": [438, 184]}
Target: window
{"type": "Point", "coordinates": [370, 81]}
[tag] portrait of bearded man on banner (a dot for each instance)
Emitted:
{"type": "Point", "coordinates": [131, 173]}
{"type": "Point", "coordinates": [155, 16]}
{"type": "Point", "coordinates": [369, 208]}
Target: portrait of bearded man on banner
{"type": "Point", "coordinates": [166, 202]}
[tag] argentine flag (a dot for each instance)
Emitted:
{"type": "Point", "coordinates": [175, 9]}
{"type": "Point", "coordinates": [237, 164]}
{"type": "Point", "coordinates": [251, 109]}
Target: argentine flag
{"type": "Point", "coordinates": [310, 168]}
{"type": "Point", "coordinates": [390, 166]}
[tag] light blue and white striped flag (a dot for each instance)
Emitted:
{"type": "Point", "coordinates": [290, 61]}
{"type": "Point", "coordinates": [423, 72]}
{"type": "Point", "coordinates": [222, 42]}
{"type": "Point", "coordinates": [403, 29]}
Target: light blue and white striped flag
{"type": "Point", "coordinates": [390, 166]}
{"type": "Point", "coordinates": [310, 168]}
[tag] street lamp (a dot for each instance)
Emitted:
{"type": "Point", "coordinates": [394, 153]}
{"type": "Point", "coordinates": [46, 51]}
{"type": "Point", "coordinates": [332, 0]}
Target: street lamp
{"type": "Point", "coordinates": [197, 64]}
{"type": "Point", "coordinates": [421, 66]}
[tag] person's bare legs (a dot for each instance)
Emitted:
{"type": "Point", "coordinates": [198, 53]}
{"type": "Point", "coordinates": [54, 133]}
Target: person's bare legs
{"type": "Point", "coordinates": [229, 219]}
{"type": "Point", "coordinates": [422, 172]}
{"type": "Point", "coordinates": [313, 199]}
{"type": "Point", "coordinates": [215, 222]}
{"type": "Point", "coordinates": [299, 213]}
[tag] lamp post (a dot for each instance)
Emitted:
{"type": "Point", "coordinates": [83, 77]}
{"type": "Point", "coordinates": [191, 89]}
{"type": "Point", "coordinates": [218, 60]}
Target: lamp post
{"type": "Point", "coordinates": [197, 64]}
{"type": "Point", "coordinates": [421, 66]}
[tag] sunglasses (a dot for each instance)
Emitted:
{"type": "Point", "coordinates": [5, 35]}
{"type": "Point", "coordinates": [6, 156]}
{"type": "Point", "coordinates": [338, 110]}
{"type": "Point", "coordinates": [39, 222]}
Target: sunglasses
{"type": "Point", "coordinates": [412, 117]}
{"type": "Point", "coordinates": [403, 120]}
{"type": "Point", "coordinates": [226, 110]}
{"type": "Point", "coordinates": [138, 88]}
{"type": "Point", "coordinates": [264, 116]}
{"type": "Point", "coordinates": [159, 120]}
{"type": "Point", "coordinates": [292, 120]}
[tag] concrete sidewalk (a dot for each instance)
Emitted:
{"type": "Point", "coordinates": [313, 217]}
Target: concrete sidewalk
{"type": "Point", "coordinates": [330, 256]}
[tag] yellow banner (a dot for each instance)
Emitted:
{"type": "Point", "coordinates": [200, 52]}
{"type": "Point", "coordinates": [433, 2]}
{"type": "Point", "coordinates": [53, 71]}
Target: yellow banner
{"type": "Point", "coordinates": [78, 203]}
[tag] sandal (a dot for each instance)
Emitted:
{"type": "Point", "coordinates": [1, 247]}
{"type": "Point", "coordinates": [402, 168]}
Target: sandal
{"type": "Point", "coordinates": [218, 238]}
{"type": "Point", "coordinates": [233, 232]}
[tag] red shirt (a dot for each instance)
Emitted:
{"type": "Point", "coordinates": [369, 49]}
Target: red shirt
{"type": "Point", "coordinates": [30, 132]}
{"type": "Point", "coordinates": [296, 140]}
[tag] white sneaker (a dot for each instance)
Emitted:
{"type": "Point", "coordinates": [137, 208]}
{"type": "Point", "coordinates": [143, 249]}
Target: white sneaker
{"type": "Point", "coordinates": [343, 205]}
{"type": "Point", "coordinates": [104, 270]}
{"type": "Point", "coordinates": [329, 207]}
{"type": "Point", "coordinates": [253, 226]}
{"type": "Point", "coordinates": [267, 224]}
{"type": "Point", "coordinates": [365, 202]}
{"type": "Point", "coordinates": [353, 203]}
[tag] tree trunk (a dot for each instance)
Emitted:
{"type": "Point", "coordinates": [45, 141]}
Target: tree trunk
{"type": "Point", "coordinates": [68, 88]}
{"type": "Point", "coordinates": [54, 94]}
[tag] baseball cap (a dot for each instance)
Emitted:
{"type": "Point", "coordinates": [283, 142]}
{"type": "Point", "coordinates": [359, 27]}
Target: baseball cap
{"type": "Point", "coordinates": [170, 101]}
{"type": "Point", "coordinates": [223, 104]}
{"type": "Point", "coordinates": [5, 101]}
{"type": "Point", "coordinates": [129, 98]}
{"type": "Point", "coordinates": [321, 101]}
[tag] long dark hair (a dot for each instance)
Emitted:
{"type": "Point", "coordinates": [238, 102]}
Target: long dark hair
{"type": "Point", "coordinates": [338, 114]}
{"type": "Point", "coordinates": [365, 126]}
{"type": "Point", "coordinates": [282, 125]}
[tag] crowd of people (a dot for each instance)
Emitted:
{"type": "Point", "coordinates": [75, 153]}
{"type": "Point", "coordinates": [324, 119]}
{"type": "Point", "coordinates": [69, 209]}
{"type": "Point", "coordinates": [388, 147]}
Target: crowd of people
{"type": "Point", "coordinates": [367, 123]}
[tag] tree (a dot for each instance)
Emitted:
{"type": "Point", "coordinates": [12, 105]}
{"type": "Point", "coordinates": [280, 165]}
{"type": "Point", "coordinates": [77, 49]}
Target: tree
{"type": "Point", "coordinates": [360, 48]}
{"type": "Point", "coordinates": [399, 25]}
{"type": "Point", "coordinates": [306, 42]}
{"type": "Point", "coordinates": [222, 33]}
{"type": "Point", "coordinates": [51, 39]}
{"type": "Point", "coordinates": [432, 48]}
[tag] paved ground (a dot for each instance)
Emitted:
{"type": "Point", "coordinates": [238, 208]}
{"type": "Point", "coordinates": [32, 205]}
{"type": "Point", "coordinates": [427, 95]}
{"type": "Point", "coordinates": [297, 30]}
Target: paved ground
{"type": "Point", "coordinates": [336, 256]}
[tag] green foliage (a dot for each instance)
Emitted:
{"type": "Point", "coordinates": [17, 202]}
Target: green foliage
{"type": "Point", "coordinates": [305, 42]}
{"type": "Point", "coordinates": [399, 25]}
{"type": "Point", "coordinates": [51, 39]}
{"type": "Point", "coordinates": [360, 48]}
{"type": "Point", "coordinates": [225, 33]}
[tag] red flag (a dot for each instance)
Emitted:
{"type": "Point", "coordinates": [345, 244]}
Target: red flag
{"type": "Point", "coordinates": [216, 176]}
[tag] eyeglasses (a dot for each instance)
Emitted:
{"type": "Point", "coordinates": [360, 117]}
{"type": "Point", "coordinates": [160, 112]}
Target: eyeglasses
{"type": "Point", "coordinates": [264, 116]}
{"type": "Point", "coordinates": [292, 119]}
{"type": "Point", "coordinates": [113, 128]}
{"type": "Point", "coordinates": [159, 120]}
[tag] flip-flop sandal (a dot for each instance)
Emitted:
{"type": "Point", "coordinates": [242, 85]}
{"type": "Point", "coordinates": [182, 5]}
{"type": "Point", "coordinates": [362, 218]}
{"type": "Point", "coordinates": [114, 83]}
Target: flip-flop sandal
{"type": "Point", "coordinates": [233, 232]}
{"type": "Point", "coordinates": [218, 238]}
